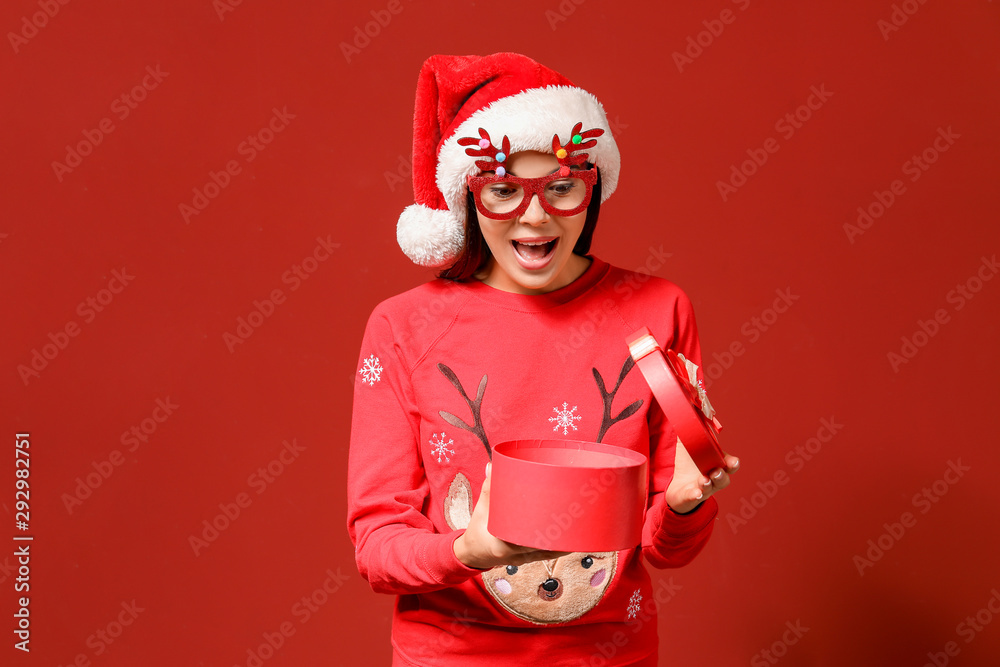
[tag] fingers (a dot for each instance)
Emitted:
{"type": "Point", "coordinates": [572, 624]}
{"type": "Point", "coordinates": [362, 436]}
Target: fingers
{"type": "Point", "coordinates": [695, 492]}
{"type": "Point", "coordinates": [476, 547]}
{"type": "Point", "coordinates": [720, 478]}
{"type": "Point", "coordinates": [484, 493]}
{"type": "Point", "coordinates": [689, 487]}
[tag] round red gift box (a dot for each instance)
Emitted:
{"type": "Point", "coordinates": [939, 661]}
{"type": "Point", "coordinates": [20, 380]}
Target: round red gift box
{"type": "Point", "coordinates": [567, 495]}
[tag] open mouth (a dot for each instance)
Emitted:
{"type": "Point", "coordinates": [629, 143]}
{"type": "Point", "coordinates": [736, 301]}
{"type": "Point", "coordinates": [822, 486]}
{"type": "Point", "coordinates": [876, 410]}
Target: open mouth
{"type": "Point", "coordinates": [535, 253]}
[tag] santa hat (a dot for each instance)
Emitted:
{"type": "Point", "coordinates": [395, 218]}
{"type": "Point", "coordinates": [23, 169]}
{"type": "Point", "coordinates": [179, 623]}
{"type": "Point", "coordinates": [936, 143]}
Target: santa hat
{"type": "Point", "coordinates": [508, 96]}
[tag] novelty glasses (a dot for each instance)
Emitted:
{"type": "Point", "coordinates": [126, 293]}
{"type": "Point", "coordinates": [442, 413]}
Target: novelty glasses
{"type": "Point", "coordinates": [559, 193]}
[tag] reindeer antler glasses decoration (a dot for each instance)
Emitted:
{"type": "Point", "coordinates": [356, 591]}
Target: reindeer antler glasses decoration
{"type": "Point", "coordinates": [565, 192]}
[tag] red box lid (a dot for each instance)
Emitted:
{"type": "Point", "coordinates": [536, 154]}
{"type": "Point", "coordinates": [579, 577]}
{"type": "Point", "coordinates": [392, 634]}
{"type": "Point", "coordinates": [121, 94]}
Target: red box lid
{"type": "Point", "coordinates": [667, 377]}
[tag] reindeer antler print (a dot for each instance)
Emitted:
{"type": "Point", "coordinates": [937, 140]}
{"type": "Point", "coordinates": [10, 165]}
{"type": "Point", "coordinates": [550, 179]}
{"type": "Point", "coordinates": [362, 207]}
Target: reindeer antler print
{"type": "Point", "coordinates": [607, 422]}
{"type": "Point", "coordinates": [476, 428]}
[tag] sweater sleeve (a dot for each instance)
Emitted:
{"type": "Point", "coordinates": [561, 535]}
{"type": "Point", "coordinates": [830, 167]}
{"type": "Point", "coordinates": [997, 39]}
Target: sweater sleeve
{"type": "Point", "coordinates": [397, 548]}
{"type": "Point", "coordinates": [669, 539]}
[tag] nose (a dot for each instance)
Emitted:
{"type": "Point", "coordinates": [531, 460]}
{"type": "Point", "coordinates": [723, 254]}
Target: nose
{"type": "Point", "coordinates": [551, 589]}
{"type": "Point", "coordinates": [534, 214]}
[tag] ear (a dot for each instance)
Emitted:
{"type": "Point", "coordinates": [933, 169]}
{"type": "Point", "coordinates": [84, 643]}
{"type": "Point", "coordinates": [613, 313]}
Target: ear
{"type": "Point", "coordinates": [458, 503]}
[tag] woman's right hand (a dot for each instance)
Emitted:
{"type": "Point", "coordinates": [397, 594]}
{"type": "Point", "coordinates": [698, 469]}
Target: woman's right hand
{"type": "Point", "coordinates": [477, 548]}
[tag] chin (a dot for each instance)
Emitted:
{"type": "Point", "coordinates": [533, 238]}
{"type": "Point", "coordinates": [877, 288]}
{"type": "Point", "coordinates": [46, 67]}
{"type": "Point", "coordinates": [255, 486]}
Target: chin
{"type": "Point", "coordinates": [528, 281]}
{"type": "Point", "coordinates": [535, 284]}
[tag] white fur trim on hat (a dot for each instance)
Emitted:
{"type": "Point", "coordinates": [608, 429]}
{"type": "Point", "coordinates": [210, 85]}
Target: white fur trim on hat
{"type": "Point", "coordinates": [428, 237]}
{"type": "Point", "coordinates": [529, 119]}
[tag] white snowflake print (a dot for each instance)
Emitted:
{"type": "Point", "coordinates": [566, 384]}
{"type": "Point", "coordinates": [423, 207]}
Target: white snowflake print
{"type": "Point", "coordinates": [564, 418]}
{"type": "Point", "coordinates": [371, 371]}
{"type": "Point", "coordinates": [441, 447]}
{"type": "Point", "coordinates": [634, 604]}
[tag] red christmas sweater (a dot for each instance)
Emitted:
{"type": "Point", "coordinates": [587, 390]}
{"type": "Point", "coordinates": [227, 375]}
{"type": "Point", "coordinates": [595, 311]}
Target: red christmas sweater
{"type": "Point", "coordinates": [449, 369]}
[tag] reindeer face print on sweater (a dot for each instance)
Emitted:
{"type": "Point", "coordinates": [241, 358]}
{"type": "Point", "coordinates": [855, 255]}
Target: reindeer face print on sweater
{"type": "Point", "coordinates": [543, 592]}
{"type": "Point", "coordinates": [554, 591]}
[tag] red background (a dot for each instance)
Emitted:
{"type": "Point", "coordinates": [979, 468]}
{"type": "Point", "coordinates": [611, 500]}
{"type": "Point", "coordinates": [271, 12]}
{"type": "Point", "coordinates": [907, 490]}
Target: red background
{"type": "Point", "coordinates": [338, 171]}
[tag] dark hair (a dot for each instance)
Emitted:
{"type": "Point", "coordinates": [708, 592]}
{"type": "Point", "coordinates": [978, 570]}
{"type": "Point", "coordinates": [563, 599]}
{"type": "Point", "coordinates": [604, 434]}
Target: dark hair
{"type": "Point", "coordinates": [476, 253]}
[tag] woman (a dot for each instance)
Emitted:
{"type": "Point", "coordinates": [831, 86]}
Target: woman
{"type": "Point", "coordinates": [511, 162]}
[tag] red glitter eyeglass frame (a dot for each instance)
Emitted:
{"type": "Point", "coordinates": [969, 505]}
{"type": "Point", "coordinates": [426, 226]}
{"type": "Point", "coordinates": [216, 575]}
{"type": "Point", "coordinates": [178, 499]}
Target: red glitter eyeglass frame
{"type": "Point", "coordinates": [532, 187]}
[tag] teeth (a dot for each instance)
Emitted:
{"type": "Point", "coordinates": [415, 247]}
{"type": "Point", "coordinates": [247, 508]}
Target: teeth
{"type": "Point", "coordinates": [538, 243]}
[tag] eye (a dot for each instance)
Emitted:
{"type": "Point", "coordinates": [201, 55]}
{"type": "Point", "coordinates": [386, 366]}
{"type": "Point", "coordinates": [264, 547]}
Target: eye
{"type": "Point", "coordinates": [561, 187]}
{"type": "Point", "coordinates": [512, 569]}
{"type": "Point", "coordinates": [586, 562]}
{"type": "Point", "coordinates": [502, 191]}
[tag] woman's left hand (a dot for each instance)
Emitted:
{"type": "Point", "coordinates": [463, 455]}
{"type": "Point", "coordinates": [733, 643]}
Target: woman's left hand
{"type": "Point", "coordinates": [689, 488]}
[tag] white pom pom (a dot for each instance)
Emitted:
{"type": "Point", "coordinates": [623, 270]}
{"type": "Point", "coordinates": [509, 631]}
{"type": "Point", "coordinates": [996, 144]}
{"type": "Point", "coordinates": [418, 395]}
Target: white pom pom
{"type": "Point", "coordinates": [430, 237]}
